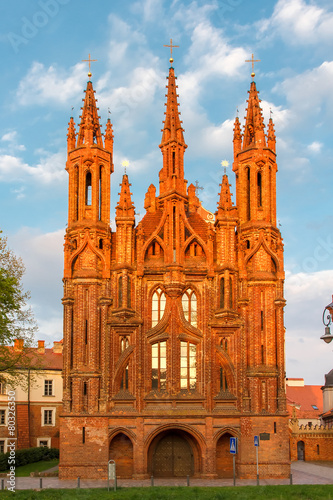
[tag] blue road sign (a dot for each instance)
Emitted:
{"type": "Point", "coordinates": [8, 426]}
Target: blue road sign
{"type": "Point", "coordinates": [256, 440]}
{"type": "Point", "coordinates": [233, 445]}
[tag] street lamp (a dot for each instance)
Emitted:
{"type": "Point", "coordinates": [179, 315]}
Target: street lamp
{"type": "Point", "coordinates": [328, 337]}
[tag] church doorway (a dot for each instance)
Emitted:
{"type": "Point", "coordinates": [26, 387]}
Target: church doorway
{"type": "Point", "coordinates": [171, 455]}
{"type": "Point", "coordinates": [121, 451]}
{"type": "Point", "coordinates": [300, 450]}
{"type": "Point", "coordinates": [224, 461]}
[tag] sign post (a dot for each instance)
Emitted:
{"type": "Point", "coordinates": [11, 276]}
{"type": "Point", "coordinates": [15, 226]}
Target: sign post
{"type": "Point", "coordinates": [256, 444]}
{"type": "Point", "coordinates": [233, 451]}
{"type": "Point", "coordinates": [112, 474]}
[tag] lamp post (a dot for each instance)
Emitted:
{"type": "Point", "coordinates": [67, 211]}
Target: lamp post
{"type": "Point", "coordinates": [327, 320]}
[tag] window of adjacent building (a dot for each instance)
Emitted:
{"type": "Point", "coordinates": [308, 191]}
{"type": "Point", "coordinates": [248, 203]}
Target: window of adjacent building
{"type": "Point", "coordinates": [158, 366]}
{"type": "Point", "coordinates": [48, 417]}
{"type": "Point", "coordinates": [43, 444]}
{"type": "Point", "coordinates": [157, 307]}
{"type": "Point", "coordinates": [48, 387]}
{"type": "Point", "coordinates": [315, 407]}
{"type": "Point", "coordinates": [188, 365]}
{"type": "Point", "coordinates": [2, 447]}
{"type": "Point", "coordinates": [2, 417]}
{"type": "Point", "coordinates": [189, 302]}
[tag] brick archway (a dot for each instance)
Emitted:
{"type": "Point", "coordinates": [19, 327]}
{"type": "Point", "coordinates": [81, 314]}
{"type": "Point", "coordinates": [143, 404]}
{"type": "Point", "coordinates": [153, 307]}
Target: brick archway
{"type": "Point", "coordinates": [121, 451]}
{"type": "Point", "coordinates": [224, 462]}
{"type": "Point", "coordinates": [173, 453]}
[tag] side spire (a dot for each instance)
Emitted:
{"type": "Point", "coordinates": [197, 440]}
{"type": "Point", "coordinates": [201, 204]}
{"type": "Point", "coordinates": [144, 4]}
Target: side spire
{"type": "Point", "coordinates": [125, 207]}
{"type": "Point", "coordinates": [225, 204]}
{"type": "Point", "coordinates": [90, 130]}
{"type": "Point", "coordinates": [71, 135]}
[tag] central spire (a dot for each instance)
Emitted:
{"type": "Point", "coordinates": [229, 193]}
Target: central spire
{"type": "Point", "coordinates": [90, 131]}
{"type": "Point", "coordinates": [173, 144]}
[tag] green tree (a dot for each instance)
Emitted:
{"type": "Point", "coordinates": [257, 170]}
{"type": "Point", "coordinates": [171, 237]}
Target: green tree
{"type": "Point", "coordinates": [16, 318]}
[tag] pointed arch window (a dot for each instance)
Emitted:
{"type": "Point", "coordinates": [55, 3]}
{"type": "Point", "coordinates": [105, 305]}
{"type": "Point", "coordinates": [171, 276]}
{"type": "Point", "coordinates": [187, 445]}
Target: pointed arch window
{"type": "Point", "coordinates": [88, 188]}
{"type": "Point", "coordinates": [100, 193]}
{"type": "Point", "coordinates": [223, 380]}
{"type": "Point", "coordinates": [157, 306]}
{"type": "Point", "coordinates": [259, 186]}
{"type": "Point", "coordinates": [190, 306]}
{"type": "Point", "coordinates": [188, 366]}
{"type": "Point", "coordinates": [124, 379]}
{"type": "Point", "coordinates": [124, 343]}
{"type": "Point", "coordinates": [222, 293]}
{"type": "Point", "coordinates": [158, 366]}
{"type": "Point", "coordinates": [120, 291]}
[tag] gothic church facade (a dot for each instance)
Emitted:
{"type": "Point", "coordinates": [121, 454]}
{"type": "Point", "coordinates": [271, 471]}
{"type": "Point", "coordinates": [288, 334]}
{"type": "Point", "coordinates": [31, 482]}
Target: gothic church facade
{"type": "Point", "coordinates": [173, 328]}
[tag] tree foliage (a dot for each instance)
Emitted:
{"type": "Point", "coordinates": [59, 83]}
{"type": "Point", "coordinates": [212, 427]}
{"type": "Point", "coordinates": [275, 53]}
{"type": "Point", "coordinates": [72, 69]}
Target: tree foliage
{"type": "Point", "coordinates": [16, 317]}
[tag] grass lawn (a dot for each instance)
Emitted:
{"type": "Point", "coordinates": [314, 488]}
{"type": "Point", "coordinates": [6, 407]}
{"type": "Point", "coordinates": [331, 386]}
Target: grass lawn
{"type": "Point", "coordinates": [296, 492]}
{"type": "Point", "coordinates": [24, 470]}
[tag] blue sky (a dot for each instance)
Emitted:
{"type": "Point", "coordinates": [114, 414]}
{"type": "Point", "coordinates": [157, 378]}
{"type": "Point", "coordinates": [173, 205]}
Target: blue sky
{"type": "Point", "coordinates": [43, 77]}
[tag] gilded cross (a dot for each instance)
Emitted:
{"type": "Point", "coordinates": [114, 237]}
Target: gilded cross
{"type": "Point", "coordinates": [171, 46]}
{"type": "Point", "coordinates": [89, 61]}
{"type": "Point", "coordinates": [252, 60]}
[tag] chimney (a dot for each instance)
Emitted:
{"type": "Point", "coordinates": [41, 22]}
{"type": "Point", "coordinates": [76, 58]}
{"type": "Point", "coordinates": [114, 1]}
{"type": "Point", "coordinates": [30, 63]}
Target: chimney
{"type": "Point", "coordinates": [57, 347]}
{"type": "Point", "coordinates": [41, 346]}
{"type": "Point", "coordinates": [18, 344]}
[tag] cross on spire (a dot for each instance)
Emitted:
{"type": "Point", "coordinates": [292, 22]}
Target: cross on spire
{"type": "Point", "coordinates": [171, 46]}
{"type": "Point", "coordinates": [252, 60]}
{"type": "Point", "coordinates": [198, 188]}
{"type": "Point", "coordinates": [89, 60]}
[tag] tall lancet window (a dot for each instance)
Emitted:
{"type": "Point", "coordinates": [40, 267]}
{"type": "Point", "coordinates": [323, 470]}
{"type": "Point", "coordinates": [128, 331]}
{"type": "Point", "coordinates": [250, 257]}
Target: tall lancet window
{"type": "Point", "coordinates": [158, 366]}
{"type": "Point", "coordinates": [259, 185]}
{"type": "Point", "coordinates": [157, 306]}
{"type": "Point", "coordinates": [88, 188]}
{"type": "Point", "coordinates": [189, 302]}
{"type": "Point", "coordinates": [188, 365]}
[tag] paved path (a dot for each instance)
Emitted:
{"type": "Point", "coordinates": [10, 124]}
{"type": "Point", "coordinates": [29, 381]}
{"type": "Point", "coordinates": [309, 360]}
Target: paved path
{"type": "Point", "coordinates": [302, 473]}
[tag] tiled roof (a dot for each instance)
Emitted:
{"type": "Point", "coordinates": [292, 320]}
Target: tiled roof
{"type": "Point", "coordinates": [199, 226]}
{"type": "Point", "coordinates": [303, 399]}
{"type": "Point", "coordinates": [150, 222]}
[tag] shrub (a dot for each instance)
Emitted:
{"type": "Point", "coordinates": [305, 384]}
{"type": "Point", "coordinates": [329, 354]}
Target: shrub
{"type": "Point", "coordinates": [28, 456]}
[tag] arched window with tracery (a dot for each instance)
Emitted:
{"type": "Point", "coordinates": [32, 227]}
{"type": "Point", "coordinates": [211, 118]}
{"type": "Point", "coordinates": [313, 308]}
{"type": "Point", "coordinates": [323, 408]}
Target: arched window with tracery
{"type": "Point", "coordinates": [190, 307]}
{"type": "Point", "coordinates": [157, 306]}
{"type": "Point", "coordinates": [188, 365]}
{"type": "Point", "coordinates": [124, 343]}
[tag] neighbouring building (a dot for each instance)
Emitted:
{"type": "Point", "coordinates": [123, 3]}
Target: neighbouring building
{"type": "Point", "coordinates": [173, 328]}
{"type": "Point", "coordinates": [311, 432]}
{"type": "Point", "coordinates": [38, 400]}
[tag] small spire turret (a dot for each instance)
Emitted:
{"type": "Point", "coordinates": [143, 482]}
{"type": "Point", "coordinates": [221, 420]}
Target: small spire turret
{"type": "Point", "coordinates": [237, 137]}
{"type": "Point", "coordinates": [271, 139]}
{"type": "Point", "coordinates": [225, 204]}
{"type": "Point", "coordinates": [71, 135]}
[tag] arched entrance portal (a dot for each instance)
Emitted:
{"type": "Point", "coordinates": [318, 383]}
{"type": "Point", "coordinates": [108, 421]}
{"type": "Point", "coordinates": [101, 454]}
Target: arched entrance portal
{"type": "Point", "coordinates": [173, 454]}
{"type": "Point", "coordinates": [121, 451]}
{"type": "Point", "coordinates": [224, 462]}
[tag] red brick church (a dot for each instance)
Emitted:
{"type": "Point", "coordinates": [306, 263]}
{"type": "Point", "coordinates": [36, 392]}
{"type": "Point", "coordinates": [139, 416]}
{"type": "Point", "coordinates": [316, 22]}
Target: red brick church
{"type": "Point", "coordinates": [173, 328]}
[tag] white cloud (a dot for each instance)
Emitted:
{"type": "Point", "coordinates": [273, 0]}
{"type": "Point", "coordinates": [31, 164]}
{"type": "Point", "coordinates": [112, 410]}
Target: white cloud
{"type": "Point", "coordinates": [315, 147]}
{"type": "Point", "coordinates": [307, 294]}
{"type": "Point", "coordinates": [50, 85]}
{"type": "Point", "coordinates": [42, 255]}
{"type": "Point", "coordinates": [50, 168]}
{"type": "Point", "coordinates": [298, 22]}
